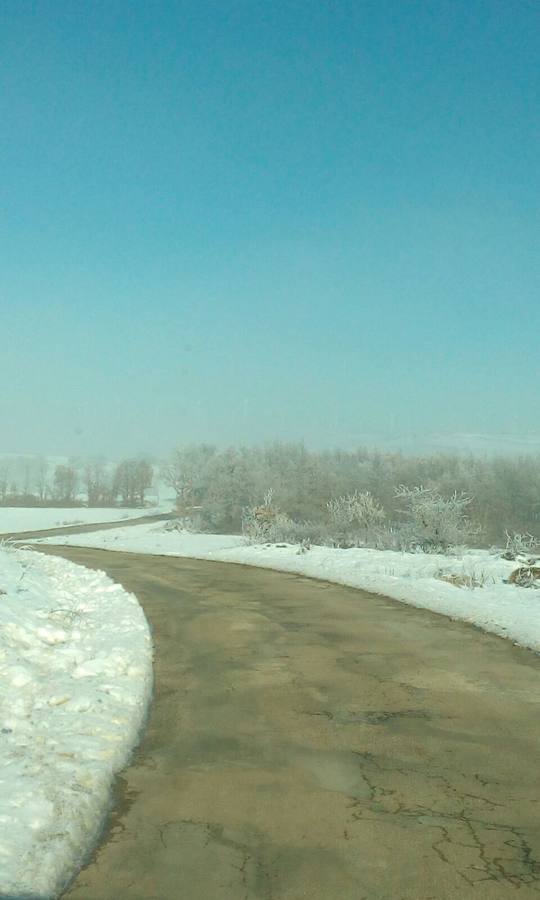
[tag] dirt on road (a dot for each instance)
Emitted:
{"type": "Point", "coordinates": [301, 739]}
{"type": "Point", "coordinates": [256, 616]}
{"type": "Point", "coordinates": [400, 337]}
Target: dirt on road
{"type": "Point", "coordinates": [314, 741]}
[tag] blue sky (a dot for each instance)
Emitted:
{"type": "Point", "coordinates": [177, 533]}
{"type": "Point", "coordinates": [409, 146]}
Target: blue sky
{"type": "Point", "coordinates": [240, 221]}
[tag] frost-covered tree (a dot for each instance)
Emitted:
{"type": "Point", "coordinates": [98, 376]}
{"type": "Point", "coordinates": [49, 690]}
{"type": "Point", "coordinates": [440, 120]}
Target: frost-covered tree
{"type": "Point", "coordinates": [231, 484]}
{"type": "Point", "coordinates": [505, 493]}
{"type": "Point", "coordinates": [186, 473]}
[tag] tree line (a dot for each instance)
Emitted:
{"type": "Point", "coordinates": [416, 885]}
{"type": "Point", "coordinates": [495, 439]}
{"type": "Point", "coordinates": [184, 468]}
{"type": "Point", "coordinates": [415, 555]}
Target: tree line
{"type": "Point", "coordinates": [214, 487]}
{"type": "Point", "coordinates": [34, 482]}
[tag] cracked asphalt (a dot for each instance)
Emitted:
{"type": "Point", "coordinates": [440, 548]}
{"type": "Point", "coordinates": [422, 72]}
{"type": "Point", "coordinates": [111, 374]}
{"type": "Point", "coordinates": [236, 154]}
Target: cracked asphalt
{"type": "Point", "coordinates": [308, 740]}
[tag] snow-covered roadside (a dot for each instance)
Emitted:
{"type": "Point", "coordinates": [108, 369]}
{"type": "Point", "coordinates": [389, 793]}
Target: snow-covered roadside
{"type": "Point", "coordinates": [413, 578]}
{"type": "Point", "coordinates": [75, 683]}
{"type": "Point", "coordinates": [15, 519]}
{"type": "Point", "coordinates": [152, 538]}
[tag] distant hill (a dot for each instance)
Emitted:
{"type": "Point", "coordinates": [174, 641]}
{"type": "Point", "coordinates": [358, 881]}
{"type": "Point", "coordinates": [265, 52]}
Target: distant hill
{"type": "Point", "coordinates": [461, 443]}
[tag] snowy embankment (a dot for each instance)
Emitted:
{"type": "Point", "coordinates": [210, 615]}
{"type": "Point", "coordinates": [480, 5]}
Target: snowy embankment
{"type": "Point", "coordinates": [76, 677]}
{"type": "Point", "coordinates": [16, 519]}
{"type": "Point", "coordinates": [414, 578]}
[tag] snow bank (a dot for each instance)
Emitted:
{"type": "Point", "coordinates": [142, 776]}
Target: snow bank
{"type": "Point", "coordinates": [14, 519]}
{"type": "Point", "coordinates": [413, 578]}
{"type": "Point", "coordinates": [75, 677]}
{"type": "Point", "coordinates": [151, 538]}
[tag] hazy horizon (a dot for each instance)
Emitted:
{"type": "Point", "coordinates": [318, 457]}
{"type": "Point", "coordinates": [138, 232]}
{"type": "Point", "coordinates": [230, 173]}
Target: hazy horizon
{"type": "Point", "coordinates": [244, 223]}
{"type": "Point", "coordinates": [480, 445]}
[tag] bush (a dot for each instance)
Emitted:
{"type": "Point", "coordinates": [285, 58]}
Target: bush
{"type": "Point", "coordinates": [188, 524]}
{"type": "Point", "coordinates": [393, 537]}
{"type": "Point", "coordinates": [266, 524]}
{"type": "Point", "coordinates": [354, 518]}
{"type": "Point", "coordinates": [526, 576]}
{"type": "Point", "coordinates": [174, 525]}
{"type": "Point", "coordinates": [434, 523]}
{"type": "Point", "coordinates": [259, 523]}
{"type": "Point", "coordinates": [305, 533]}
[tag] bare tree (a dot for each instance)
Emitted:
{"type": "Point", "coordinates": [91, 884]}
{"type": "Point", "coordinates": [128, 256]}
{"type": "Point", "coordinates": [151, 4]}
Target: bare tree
{"type": "Point", "coordinates": [65, 483]}
{"type": "Point", "coordinates": [41, 478]}
{"type": "Point", "coordinates": [26, 477]}
{"type": "Point", "coordinates": [97, 483]}
{"type": "Point", "coordinates": [123, 481]}
{"type": "Point", "coordinates": [143, 476]}
{"type": "Point", "coordinates": [132, 479]}
{"type": "Point", "coordinates": [4, 481]}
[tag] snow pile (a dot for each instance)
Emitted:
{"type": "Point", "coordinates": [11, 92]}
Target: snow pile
{"type": "Point", "coordinates": [414, 578]}
{"type": "Point", "coordinates": [14, 518]}
{"type": "Point", "coordinates": [75, 677]}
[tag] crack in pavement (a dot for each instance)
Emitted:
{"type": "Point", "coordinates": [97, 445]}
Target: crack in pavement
{"type": "Point", "coordinates": [521, 867]}
{"type": "Point", "coordinates": [215, 833]}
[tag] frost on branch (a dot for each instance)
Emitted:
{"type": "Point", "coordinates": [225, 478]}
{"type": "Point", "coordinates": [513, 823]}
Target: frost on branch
{"type": "Point", "coordinates": [520, 545]}
{"type": "Point", "coordinates": [261, 524]}
{"type": "Point", "coordinates": [434, 523]}
{"type": "Point", "coordinates": [354, 517]}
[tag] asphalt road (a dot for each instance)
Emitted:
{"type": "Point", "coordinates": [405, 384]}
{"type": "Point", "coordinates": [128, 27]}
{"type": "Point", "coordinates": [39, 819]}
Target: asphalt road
{"type": "Point", "coordinates": [314, 741]}
{"type": "Point", "coordinates": [83, 529]}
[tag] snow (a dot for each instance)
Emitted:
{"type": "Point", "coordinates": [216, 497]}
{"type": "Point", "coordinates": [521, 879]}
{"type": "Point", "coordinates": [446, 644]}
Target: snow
{"type": "Point", "coordinates": [16, 519]}
{"type": "Point", "coordinates": [414, 578]}
{"type": "Point", "coordinates": [151, 538]}
{"type": "Point", "coordinates": [76, 676]}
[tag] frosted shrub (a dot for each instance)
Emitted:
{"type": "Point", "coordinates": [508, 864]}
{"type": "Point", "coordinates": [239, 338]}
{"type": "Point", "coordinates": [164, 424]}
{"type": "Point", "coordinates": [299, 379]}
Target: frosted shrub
{"type": "Point", "coordinates": [435, 523]}
{"type": "Point", "coordinates": [467, 576]}
{"type": "Point", "coordinates": [269, 532]}
{"type": "Point", "coordinates": [254, 529]}
{"type": "Point", "coordinates": [306, 533]}
{"type": "Point", "coordinates": [393, 537]}
{"type": "Point", "coordinates": [526, 576]}
{"type": "Point", "coordinates": [353, 517]}
{"type": "Point", "coordinates": [180, 525]}
{"type": "Point", "coordinates": [266, 524]}
{"type": "Point", "coordinates": [260, 524]}
{"type": "Point", "coordinates": [520, 545]}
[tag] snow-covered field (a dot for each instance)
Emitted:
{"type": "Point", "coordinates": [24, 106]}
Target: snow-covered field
{"type": "Point", "coordinates": [14, 519]}
{"type": "Point", "coordinates": [76, 676]}
{"type": "Point", "coordinates": [414, 578]}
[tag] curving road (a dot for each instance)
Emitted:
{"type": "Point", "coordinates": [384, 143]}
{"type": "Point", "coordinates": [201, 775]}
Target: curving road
{"type": "Point", "coordinates": [18, 536]}
{"type": "Point", "coordinates": [313, 741]}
